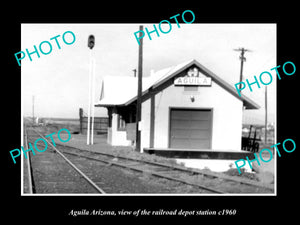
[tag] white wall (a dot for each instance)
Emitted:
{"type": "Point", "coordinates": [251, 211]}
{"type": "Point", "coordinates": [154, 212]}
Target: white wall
{"type": "Point", "coordinates": [226, 109]}
{"type": "Point", "coordinates": [109, 136]}
{"type": "Point", "coordinates": [227, 115]}
{"type": "Point", "coordinates": [145, 133]}
{"type": "Point", "coordinates": [118, 137]}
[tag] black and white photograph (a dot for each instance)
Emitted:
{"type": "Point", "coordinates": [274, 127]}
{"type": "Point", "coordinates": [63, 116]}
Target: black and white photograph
{"type": "Point", "coordinates": [134, 114]}
{"type": "Point", "coordinates": [145, 109]}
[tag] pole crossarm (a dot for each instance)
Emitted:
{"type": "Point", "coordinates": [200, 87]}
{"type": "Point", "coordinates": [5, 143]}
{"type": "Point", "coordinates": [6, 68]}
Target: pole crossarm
{"type": "Point", "coordinates": [243, 59]}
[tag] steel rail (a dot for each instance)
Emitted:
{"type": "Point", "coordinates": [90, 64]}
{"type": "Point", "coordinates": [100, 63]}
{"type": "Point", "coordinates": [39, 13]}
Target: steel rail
{"type": "Point", "coordinates": [188, 170]}
{"type": "Point", "coordinates": [30, 180]}
{"type": "Point", "coordinates": [149, 172]}
{"type": "Point", "coordinates": [71, 164]}
{"type": "Point", "coordinates": [173, 167]}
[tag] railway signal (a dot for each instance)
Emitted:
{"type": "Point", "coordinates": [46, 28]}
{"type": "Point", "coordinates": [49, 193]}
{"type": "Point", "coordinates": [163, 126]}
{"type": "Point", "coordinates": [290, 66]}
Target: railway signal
{"type": "Point", "coordinates": [91, 41]}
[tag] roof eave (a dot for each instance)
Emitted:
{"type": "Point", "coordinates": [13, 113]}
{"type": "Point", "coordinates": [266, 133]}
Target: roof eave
{"type": "Point", "coordinates": [250, 105]}
{"type": "Point", "coordinates": [108, 105]}
{"type": "Point", "coordinates": [174, 73]}
{"type": "Point", "coordinates": [247, 102]}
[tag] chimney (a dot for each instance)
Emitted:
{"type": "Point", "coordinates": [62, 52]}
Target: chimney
{"type": "Point", "coordinates": [134, 72]}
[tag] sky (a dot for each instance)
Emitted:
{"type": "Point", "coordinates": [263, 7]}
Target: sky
{"type": "Point", "coordinates": [59, 81]}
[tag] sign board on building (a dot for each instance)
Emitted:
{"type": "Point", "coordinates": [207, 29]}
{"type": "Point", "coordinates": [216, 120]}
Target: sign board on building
{"type": "Point", "coordinates": [193, 78]}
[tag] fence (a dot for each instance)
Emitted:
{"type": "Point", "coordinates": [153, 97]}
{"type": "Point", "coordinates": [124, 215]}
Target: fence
{"type": "Point", "coordinates": [100, 123]}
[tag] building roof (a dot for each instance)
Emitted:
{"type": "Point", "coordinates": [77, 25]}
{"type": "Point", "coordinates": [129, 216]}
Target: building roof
{"type": "Point", "coordinates": [122, 90]}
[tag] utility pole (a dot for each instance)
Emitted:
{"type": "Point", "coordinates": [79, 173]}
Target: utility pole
{"type": "Point", "coordinates": [139, 93]}
{"type": "Point", "coordinates": [242, 58]}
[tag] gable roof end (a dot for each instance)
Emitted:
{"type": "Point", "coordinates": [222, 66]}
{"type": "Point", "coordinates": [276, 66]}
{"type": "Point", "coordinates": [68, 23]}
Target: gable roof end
{"type": "Point", "coordinates": [129, 89]}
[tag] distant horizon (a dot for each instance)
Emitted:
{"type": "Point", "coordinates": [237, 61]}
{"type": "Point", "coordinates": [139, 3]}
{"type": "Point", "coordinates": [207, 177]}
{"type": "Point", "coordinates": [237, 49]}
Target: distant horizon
{"type": "Point", "coordinates": [73, 118]}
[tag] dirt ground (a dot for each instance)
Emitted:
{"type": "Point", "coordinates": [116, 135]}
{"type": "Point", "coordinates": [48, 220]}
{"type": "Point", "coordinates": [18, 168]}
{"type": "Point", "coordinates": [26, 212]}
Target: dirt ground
{"type": "Point", "coordinates": [264, 172]}
{"type": "Point", "coordinates": [160, 185]}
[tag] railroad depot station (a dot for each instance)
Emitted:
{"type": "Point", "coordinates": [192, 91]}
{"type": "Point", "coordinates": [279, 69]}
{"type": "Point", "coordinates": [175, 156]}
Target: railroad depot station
{"type": "Point", "coordinates": [185, 108]}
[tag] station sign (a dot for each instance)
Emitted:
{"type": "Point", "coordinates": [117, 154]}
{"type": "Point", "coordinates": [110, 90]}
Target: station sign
{"type": "Point", "coordinates": [193, 78]}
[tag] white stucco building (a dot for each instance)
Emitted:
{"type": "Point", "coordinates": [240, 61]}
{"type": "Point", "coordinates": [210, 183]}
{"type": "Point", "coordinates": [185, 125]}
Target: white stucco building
{"type": "Point", "coordinates": [186, 106]}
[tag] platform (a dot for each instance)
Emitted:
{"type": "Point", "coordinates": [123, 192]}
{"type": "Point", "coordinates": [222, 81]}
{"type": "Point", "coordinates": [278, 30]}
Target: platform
{"type": "Point", "coordinates": [200, 153]}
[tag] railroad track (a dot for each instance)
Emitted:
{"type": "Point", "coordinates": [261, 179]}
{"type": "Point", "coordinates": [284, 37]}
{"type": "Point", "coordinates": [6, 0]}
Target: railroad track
{"type": "Point", "coordinates": [29, 182]}
{"type": "Point", "coordinates": [152, 169]}
{"type": "Point", "coordinates": [156, 169]}
{"type": "Point", "coordinates": [135, 164]}
{"type": "Point", "coordinates": [65, 159]}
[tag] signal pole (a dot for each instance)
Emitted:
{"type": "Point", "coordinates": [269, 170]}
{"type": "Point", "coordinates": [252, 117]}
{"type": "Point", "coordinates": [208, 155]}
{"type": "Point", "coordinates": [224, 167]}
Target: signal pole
{"type": "Point", "coordinates": [91, 44]}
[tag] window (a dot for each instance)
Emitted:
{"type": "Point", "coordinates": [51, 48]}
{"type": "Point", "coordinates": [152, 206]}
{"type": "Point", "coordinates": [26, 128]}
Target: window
{"type": "Point", "coordinates": [121, 123]}
{"type": "Point", "coordinates": [109, 110]}
{"type": "Point", "coordinates": [125, 115]}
